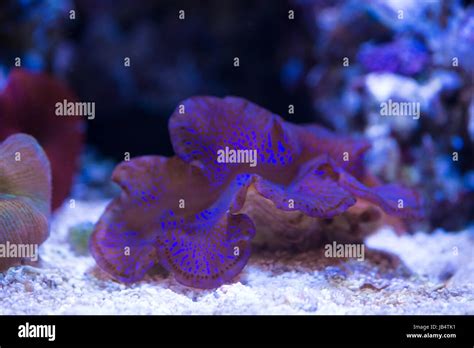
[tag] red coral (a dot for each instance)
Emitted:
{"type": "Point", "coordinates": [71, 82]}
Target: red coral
{"type": "Point", "coordinates": [27, 105]}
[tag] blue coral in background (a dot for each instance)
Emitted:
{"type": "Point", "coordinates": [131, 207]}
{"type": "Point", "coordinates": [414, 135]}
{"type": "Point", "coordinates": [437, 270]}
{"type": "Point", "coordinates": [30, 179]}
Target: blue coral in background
{"type": "Point", "coordinates": [410, 51]}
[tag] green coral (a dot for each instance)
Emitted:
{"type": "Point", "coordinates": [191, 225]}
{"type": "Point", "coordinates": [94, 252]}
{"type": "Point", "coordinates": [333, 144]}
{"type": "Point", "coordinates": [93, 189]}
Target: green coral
{"type": "Point", "coordinates": [78, 237]}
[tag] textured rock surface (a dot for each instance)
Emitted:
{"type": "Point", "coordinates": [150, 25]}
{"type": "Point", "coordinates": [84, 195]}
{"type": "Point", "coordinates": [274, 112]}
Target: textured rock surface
{"type": "Point", "coordinates": [434, 274]}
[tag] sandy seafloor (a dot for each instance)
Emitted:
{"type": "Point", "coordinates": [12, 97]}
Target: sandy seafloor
{"type": "Point", "coordinates": [433, 274]}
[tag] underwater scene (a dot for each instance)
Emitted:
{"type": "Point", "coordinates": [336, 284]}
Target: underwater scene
{"type": "Point", "coordinates": [236, 157]}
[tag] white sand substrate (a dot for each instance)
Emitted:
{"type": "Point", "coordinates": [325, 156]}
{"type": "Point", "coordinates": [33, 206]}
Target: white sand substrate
{"type": "Point", "coordinates": [415, 274]}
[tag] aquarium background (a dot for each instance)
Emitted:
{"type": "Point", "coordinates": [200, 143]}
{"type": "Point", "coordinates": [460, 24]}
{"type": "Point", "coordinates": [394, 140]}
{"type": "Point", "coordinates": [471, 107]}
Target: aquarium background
{"type": "Point", "coordinates": [282, 61]}
{"type": "Point", "coordinates": [334, 62]}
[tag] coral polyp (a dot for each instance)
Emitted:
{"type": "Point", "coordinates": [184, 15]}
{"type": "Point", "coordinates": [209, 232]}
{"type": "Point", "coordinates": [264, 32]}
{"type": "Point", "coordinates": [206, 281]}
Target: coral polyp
{"type": "Point", "coordinates": [25, 199]}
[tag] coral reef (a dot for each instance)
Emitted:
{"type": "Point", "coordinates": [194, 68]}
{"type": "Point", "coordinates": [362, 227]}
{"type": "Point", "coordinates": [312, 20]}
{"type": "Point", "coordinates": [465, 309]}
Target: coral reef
{"type": "Point", "coordinates": [177, 230]}
{"type": "Point", "coordinates": [367, 52]}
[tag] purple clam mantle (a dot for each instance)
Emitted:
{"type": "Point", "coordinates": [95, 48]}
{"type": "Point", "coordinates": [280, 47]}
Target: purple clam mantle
{"type": "Point", "coordinates": [186, 212]}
